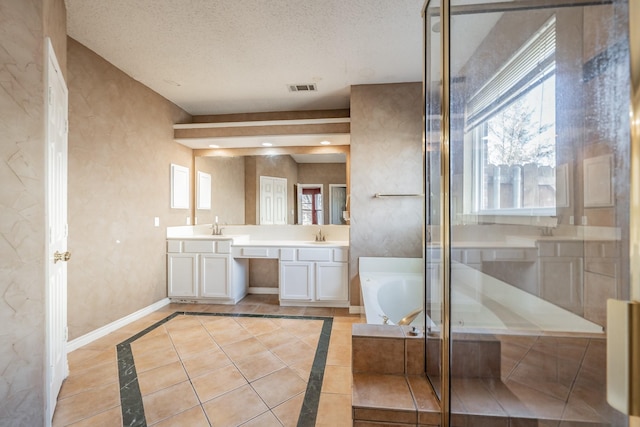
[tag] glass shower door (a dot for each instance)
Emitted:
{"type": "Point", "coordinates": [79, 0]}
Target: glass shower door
{"type": "Point", "coordinates": [532, 175]}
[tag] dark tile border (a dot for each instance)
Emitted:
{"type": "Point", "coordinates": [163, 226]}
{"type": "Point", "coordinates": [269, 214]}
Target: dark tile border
{"type": "Point", "coordinates": [131, 398]}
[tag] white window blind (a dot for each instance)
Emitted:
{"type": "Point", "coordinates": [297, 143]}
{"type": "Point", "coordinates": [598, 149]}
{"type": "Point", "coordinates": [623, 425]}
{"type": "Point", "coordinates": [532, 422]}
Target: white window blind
{"type": "Point", "coordinates": [533, 61]}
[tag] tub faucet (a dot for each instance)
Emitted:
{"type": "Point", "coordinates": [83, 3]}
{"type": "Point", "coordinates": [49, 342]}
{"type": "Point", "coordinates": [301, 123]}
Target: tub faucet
{"type": "Point", "coordinates": [320, 237]}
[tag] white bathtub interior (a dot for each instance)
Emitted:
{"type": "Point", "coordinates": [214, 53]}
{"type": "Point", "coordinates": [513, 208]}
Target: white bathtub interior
{"type": "Point", "coordinates": [393, 287]}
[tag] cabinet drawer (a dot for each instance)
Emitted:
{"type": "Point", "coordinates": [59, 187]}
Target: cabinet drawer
{"type": "Point", "coordinates": [199, 246]}
{"type": "Point", "coordinates": [504, 255]}
{"type": "Point", "coordinates": [313, 254]}
{"type": "Point", "coordinates": [341, 255]}
{"type": "Point", "coordinates": [223, 246]}
{"type": "Point", "coordinates": [174, 246]}
{"type": "Point", "coordinates": [255, 252]}
{"type": "Point", "coordinates": [287, 254]}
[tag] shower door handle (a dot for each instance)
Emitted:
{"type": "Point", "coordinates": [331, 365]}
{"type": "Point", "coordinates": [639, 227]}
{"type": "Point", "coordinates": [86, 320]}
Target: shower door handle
{"type": "Point", "coordinates": [623, 356]}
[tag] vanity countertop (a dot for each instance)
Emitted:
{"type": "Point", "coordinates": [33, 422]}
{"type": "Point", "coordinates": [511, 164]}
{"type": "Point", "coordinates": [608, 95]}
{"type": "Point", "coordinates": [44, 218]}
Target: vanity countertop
{"type": "Point", "coordinates": [245, 241]}
{"type": "Point", "coordinates": [236, 238]}
{"type": "Point", "coordinates": [295, 243]}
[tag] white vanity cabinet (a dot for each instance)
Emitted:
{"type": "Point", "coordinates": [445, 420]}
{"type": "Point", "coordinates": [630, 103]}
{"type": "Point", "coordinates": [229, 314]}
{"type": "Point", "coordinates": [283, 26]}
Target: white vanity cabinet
{"type": "Point", "coordinates": [314, 276]}
{"type": "Point", "coordinates": [205, 270]}
{"type": "Point", "coordinates": [182, 272]}
{"type": "Point", "coordinates": [560, 274]}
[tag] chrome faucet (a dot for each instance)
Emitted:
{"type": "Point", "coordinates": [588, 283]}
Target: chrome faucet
{"type": "Point", "coordinates": [320, 237]}
{"type": "Point", "coordinates": [216, 230]}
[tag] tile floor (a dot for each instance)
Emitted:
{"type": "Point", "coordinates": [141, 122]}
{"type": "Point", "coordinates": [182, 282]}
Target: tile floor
{"type": "Point", "coordinates": [204, 370]}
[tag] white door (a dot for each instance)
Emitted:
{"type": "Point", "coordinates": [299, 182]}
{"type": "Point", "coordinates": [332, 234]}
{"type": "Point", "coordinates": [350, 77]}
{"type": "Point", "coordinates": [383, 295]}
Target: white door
{"type": "Point", "coordinates": [56, 108]}
{"type": "Point", "coordinates": [266, 200]}
{"type": "Point", "coordinates": [279, 201]}
{"type": "Point", "coordinates": [273, 200]}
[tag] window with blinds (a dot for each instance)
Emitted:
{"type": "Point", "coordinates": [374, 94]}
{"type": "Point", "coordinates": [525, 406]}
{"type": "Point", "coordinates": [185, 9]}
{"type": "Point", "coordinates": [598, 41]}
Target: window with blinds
{"type": "Point", "coordinates": [510, 122]}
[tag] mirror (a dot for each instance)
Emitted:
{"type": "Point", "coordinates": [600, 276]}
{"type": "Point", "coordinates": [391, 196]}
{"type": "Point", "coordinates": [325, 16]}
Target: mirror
{"type": "Point", "coordinates": [235, 183]}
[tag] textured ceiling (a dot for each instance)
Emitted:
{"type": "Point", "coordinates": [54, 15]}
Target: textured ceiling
{"type": "Point", "coordinates": [237, 56]}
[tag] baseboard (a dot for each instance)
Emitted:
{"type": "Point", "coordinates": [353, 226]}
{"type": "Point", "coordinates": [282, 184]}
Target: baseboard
{"type": "Point", "coordinates": [356, 309]}
{"type": "Point", "coordinates": [76, 343]}
{"type": "Point", "coordinates": [263, 291]}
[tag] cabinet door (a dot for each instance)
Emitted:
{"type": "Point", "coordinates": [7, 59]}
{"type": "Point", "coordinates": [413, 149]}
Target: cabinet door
{"type": "Point", "coordinates": [331, 281]}
{"type": "Point", "coordinates": [296, 280]}
{"type": "Point", "coordinates": [561, 282]}
{"type": "Point", "coordinates": [181, 275]}
{"type": "Point", "coordinates": [214, 276]}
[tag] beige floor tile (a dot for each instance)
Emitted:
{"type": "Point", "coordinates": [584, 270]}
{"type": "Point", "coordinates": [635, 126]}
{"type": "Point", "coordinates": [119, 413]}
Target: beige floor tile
{"type": "Point", "coordinates": [311, 340]}
{"type": "Point", "coordinates": [227, 331]}
{"type": "Point", "coordinates": [152, 360]}
{"type": "Point", "coordinates": [235, 407]}
{"type": "Point", "coordinates": [279, 387]}
{"type": "Point", "coordinates": [339, 355]}
{"type": "Point", "coordinates": [86, 404]}
{"type": "Point", "coordinates": [216, 383]}
{"type": "Point", "coordinates": [294, 352]}
{"type": "Point", "coordinates": [203, 363]}
{"type": "Point", "coordinates": [257, 326]}
{"type": "Point", "coordinates": [275, 338]}
{"type": "Point", "coordinates": [301, 328]}
{"type": "Point", "coordinates": [265, 420]}
{"type": "Point", "coordinates": [182, 323]}
{"type": "Point", "coordinates": [289, 411]}
{"type": "Point", "coordinates": [193, 417]}
{"type": "Point", "coordinates": [245, 308]}
{"type": "Point", "coordinates": [259, 365]}
{"type": "Point", "coordinates": [151, 344]}
{"type": "Point", "coordinates": [84, 358]}
{"type": "Point", "coordinates": [168, 402]}
{"type": "Point", "coordinates": [108, 341]}
{"type": "Point", "coordinates": [110, 418]}
{"type": "Point", "coordinates": [160, 378]}
{"type": "Point", "coordinates": [334, 410]}
{"type": "Point", "coordinates": [337, 379]}
{"type": "Point", "coordinates": [195, 346]}
{"type": "Point", "coordinates": [285, 311]}
{"type": "Point", "coordinates": [318, 311]}
{"type": "Point", "coordinates": [90, 378]}
{"type": "Point", "coordinates": [303, 368]}
{"type": "Point", "coordinates": [243, 349]}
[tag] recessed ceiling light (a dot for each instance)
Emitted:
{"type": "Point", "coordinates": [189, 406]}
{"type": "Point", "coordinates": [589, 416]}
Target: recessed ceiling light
{"type": "Point", "coordinates": [214, 146]}
{"type": "Point", "coordinates": [325, 142]}
{"type": "Point", "coordinates": [267, 144]}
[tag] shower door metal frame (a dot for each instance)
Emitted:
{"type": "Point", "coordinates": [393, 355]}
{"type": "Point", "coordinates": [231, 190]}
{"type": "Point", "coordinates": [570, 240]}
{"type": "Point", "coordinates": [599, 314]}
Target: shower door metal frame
{"type": "Point", "coordinates": [634, 185]}
{"type": "Point", "coordinates": [445, 230]}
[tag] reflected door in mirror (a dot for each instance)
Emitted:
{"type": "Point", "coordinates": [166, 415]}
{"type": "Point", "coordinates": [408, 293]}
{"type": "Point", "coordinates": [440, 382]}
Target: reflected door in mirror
{"type": "Point", "coordinates": [273, 200]}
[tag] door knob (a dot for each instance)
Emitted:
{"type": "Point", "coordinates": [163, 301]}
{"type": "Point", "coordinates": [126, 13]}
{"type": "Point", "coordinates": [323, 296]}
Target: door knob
{"type": "Point", "coordinates": [65, 256]}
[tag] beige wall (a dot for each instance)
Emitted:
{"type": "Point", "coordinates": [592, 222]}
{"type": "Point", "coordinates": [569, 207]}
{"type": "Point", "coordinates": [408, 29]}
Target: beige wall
{"type": "Point", "coordinates": [23, 26]}
{"type": "Point", "coordinates": [386, 157]}
{"type": "Point", "coordinates": [120, 150]}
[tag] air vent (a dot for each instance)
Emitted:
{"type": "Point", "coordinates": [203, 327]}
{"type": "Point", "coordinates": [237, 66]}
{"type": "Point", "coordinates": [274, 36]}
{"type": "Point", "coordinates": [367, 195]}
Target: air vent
{"type": "Point", "coordinates": [303, 88]}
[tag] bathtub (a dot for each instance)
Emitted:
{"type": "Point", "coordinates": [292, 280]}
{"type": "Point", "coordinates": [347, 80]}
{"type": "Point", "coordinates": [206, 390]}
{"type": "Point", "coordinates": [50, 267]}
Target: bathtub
{"type": "Point", "coordinates": [393, 287]}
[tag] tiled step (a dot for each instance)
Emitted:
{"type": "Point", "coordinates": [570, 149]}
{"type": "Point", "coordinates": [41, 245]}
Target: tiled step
{"type": "Point", "coordinates": [398, 399]}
